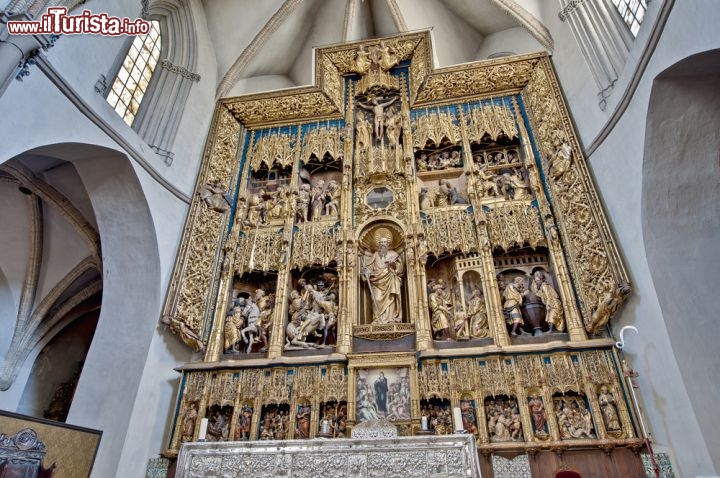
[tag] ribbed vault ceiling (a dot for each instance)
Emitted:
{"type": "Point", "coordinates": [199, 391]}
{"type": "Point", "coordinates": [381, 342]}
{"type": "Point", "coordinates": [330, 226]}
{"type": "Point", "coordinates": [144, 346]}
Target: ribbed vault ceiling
{"type": "Point", "coordinates": [267, 44]}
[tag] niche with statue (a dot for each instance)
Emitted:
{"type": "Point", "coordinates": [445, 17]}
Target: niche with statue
{"type": "Point", "coordinates": [312, 311]}
{"type": "Point", "coordinates": [456, 302]}
{"type": "Point", "coordinates": [248, 321]}
{"type": "Point", "coordinates": [529, 294]}
{"type": "Point", "coordinates": [319, 185]}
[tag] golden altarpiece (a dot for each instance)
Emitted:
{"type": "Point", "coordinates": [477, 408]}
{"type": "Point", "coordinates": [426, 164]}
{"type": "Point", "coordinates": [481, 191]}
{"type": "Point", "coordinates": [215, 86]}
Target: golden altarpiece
{"type": "Point", "coordinates": [398, 242]}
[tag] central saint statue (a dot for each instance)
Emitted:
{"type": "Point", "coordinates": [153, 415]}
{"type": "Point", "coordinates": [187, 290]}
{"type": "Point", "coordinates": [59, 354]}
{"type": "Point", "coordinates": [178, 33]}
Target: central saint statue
{"type": "Point", "coordinates": [383, 270]}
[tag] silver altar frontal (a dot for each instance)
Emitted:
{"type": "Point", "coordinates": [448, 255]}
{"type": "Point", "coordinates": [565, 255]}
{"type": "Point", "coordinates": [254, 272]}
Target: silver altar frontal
{"type": "Point", "coordinates": [435, 456]}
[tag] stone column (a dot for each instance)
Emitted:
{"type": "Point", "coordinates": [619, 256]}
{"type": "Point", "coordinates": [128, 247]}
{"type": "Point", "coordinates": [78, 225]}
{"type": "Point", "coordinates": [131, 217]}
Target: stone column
{"type": "Point", "coordinates": [15, 49]}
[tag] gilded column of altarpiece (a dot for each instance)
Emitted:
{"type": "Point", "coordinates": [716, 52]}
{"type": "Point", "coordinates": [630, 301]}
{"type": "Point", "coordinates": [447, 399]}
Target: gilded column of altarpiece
{"type": "Point", "coordinates": [395, 242]}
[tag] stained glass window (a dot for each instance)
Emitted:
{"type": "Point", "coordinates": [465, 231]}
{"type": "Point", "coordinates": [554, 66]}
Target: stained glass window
{"type": "Point", "coordinates": [135, 72]}
{"type": "Point", "coordinates": [632, 12]}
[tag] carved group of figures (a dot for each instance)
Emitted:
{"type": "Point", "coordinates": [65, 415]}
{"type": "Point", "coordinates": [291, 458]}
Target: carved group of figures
{"type": "Point", "coordinates": [508, 184]}
{"type": "Point", "coordinates": [497, 158]}
{"type": "Point", "coordinates": [310, 203]}
{"type": "Point", "coordinates": [573, 417]}
{"type": "Point", "coordinates": [318, 201]}
{"type": "Point", "coordinates": [275, 424]}
{"type": "Point", "coordinates": [503, 419]}
{"type": "Point", "coordinates": [532, 305]}
{"type": "Point", "coordinates": [266, 206]}
{"type": "Point", "coordinates": [445, 194]}
{"type": "Point", "coordinates": [249, 321]}
{"type": "Point", "coordinates": [439, 417]}
{"type": "Point", "coordinates": [313, 310]}
{"type": "Point", "coordinates": [456, 322]}
{"type": "Point", "coordinates": [439, 161]}
{"type": "Point", "coordinates": [219, 418]}
{"type": "Point", "coordinates": [332, 423]}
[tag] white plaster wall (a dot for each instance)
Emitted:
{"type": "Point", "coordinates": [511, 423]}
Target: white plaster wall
{"type": "Point", "coordinates": [617, 167]}
{"type": "Point", "coordinates": [261, 83]}
{"type": "Point", "coordinates": [577, 81]}
{"type": "Point", "coordinates": [330, 19]}
{"type": "Point", "coordinates": [130, 306]}
{"type": "Point", "coordinates": [681, 225]}
{"type": "Point", "coordinates": [189, 143]}
{"type": "Point", "coordinates": [133, 294]}
{"type": "Point", "coordinates": [150, 426]}
{"type": "Point", "coordinates": [222, 22]}
{"type": "Point", "coordinates": [455, 41]}
{"type": "Point", "coordinates": [516, 40]}
{"type": "Point", "coordinates": [65, 179]}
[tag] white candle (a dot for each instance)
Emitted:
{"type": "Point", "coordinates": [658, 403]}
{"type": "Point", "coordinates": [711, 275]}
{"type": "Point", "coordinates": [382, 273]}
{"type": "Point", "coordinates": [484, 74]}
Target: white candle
{"type": "Point", "coordinates": [325, 427]}
{"type": "Point", "coordinates": [203, 429]}
{"type": "Point", "coordinates": [423, 424]}
{"type": "Point", "coordinates": [457, 418]}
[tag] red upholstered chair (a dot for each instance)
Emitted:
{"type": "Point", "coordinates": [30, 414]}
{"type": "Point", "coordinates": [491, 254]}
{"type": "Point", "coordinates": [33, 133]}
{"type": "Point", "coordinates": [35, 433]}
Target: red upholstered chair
{"type": "Point", "coordinates": [46, 472]}
{"type": "Point", "coordinates": [567, 474]}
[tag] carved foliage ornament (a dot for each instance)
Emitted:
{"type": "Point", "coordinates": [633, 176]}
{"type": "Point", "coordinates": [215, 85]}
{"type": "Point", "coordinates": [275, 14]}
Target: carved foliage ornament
{"type": "Point", "coordinates": [492, 119]}
{"type": "Point", "coordinates": [321, 141]}
{"type": "Point", "coordinates": [190, 285]}
{"type": "Point", "coordinates": [593, 257]}
{"type": "Point", "coordinates": [514, 224]}
{"type": "Point", "coordinates": [450, 229]}
{"type": "Point", "coordinates": [314, 243]}
{"type": "Point", "coordinates": [476, 80]}
{"type": "Point", "coordinates": [260, 249]}
{"type": "Point", "coordinates": [275, 148]}
{"type": "Point", "coordinates": [433, 126]}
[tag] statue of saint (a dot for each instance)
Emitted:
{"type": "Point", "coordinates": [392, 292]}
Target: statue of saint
{"type": "Point", "coordinates": [513, 295]}
{"type": "Point", "coordinates": [383, 272]}
{"type": "Point", "coordinates": [553, 306]}
{"type": "Point", "coordinates": [477, 314]}
{"type": "Point", "coordinates": [608, 409]}
{"type": "Point", "coordinates": [234, 321]}
{"type": "Point", "coordinates": [537, 411]}
{"type": "Point", "coordinates": [440, 310]}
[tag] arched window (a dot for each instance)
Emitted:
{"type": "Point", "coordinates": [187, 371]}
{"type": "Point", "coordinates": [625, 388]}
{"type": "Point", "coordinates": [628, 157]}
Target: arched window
{"type": "Point", "coordinates": [134, 75]}
{"type": "Point", "coordinates": [632, 12]}
{"type": "Point", "coordinates": [171, 49]}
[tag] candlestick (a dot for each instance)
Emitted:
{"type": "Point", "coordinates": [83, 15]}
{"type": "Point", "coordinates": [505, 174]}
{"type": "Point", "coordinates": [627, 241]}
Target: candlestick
{"type": "Point", "coordinates": [457, 419]}
{"type": "Point", "coordinates": [203, 429]}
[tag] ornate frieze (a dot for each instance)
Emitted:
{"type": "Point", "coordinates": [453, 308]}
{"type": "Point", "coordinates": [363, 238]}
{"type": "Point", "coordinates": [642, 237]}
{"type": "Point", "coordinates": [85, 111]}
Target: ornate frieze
{"type": "Point", "coordinates": [421, 457]}
{"type": "Point", "coordinates": [479, 79]}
